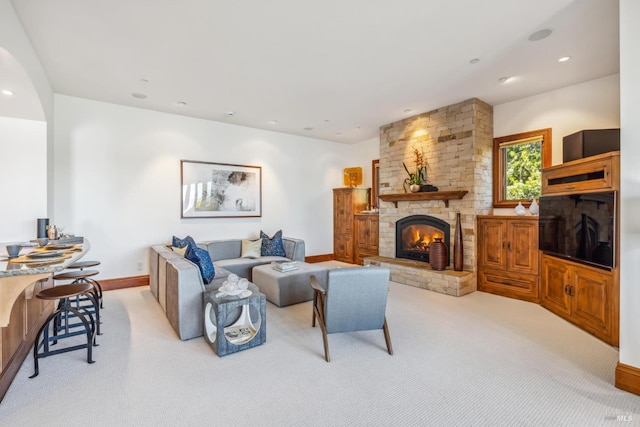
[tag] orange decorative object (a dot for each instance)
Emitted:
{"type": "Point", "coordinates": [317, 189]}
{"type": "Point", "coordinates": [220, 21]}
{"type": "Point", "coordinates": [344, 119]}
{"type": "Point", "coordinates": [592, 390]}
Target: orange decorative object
{"type": "Point", "coordinates": [353, 176]}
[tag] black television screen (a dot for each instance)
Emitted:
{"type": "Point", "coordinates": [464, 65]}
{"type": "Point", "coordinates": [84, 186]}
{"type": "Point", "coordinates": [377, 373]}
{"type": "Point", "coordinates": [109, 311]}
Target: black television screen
{"type": "Point", "coordinates": [579, 227]}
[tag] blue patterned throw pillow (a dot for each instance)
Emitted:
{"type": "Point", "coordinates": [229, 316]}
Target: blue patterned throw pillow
{"type": "Point", "coordinates": [272, 246]}
{"type": "Point", "coordinates": [201, 258]}
{"type": "Point", "coordinates": [188, 241]}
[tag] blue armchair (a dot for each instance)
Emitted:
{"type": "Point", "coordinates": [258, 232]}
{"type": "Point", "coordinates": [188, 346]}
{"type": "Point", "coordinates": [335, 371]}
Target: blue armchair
{"type": "Point", "coordinates": [354, 299]}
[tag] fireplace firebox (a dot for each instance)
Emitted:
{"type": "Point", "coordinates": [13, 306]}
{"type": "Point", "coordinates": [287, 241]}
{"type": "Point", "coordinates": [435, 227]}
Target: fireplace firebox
{"type": "Point", "coordinates": [415, 233]}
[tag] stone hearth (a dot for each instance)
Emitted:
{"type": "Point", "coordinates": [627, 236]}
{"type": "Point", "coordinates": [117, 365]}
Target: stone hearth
{"type": "Point", "coordinates": [457, 144]}
{"type": "Point", "coordinates": [421, 275]}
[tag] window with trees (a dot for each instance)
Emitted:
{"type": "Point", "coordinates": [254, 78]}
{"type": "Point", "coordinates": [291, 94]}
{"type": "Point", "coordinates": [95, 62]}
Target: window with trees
{"type": "Point", "coordinates": [517, 166]}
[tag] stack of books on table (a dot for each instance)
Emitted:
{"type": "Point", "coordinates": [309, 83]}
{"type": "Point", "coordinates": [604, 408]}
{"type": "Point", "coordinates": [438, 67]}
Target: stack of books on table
{"type": "Point", "coordinates": [285, 266]}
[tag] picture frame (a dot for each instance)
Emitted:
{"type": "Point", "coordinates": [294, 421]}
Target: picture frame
{"type": "Point", "coordinates": [220, 190]}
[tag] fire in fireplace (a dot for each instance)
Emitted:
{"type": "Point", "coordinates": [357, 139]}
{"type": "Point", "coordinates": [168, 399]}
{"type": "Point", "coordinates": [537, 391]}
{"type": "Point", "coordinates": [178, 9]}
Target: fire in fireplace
{"type": "Point", "coordinates": [415, 233]}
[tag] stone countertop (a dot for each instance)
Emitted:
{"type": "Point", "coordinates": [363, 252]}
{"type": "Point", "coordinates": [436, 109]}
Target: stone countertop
{"type": "Point", "coordinates": [10, 269]}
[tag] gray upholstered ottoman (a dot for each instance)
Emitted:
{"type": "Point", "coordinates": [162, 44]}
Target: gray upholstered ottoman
{"type": "Point", "coordinates": [290, 287]}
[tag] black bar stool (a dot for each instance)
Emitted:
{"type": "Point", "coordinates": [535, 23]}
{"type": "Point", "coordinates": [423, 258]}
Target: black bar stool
{"type": "Point", "coordinates": [81, 265]}
{"type": "Point", "coordinates": [61, 318]}
{"type": "Point", "coordinates": [84, 276]}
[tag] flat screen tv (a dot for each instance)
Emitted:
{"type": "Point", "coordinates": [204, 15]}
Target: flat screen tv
{"type": "Point", "coordinates": [580, 227]}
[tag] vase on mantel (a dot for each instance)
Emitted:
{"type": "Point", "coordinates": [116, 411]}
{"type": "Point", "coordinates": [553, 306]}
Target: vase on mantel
{"type": "Point", "coordinates": [438, 255]}
{"type": "Point", "coordinates": [458, 247]}
{"type": "Point", "coordinates": [414, 188]}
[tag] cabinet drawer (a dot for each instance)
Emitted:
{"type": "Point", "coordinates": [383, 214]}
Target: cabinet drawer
{"type": "Point", "coordinates": [520, 286]}
{"type": "Point", "coordinates": [596, 174]}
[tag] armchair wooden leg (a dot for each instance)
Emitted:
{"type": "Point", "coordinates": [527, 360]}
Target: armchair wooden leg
{"type": "Point", "coordinates": [313, 310]}
{"type": "Point", "coordinates": [318, 313]}
{"type": "Point", "coordinates": [387, 337]}
{"type": "Point", "coordinates": [326, 342]}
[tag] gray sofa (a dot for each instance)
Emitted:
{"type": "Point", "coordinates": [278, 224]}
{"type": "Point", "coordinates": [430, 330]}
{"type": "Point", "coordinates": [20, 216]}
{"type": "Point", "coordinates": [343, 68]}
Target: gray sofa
{"type": "Point", "coordinates": [177, 285]}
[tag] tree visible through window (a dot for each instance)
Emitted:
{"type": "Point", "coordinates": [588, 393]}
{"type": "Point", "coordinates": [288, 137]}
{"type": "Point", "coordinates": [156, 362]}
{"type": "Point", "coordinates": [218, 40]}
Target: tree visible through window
{"type": "Point", "coordinates": [518, 162]}
{"type": "Point", "coordinates": [524, 166]}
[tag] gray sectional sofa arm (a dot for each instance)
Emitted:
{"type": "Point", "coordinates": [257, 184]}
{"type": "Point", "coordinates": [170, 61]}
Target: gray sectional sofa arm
{"type": "Point", "coordinates": [177, 285]}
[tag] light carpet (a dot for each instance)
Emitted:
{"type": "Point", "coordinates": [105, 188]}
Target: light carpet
{"type": "Point", "coordinates": [475, 360]}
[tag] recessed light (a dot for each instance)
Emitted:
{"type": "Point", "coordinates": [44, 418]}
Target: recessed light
{"type": "Point", "coordinates": [358, 128]}
{"type": "Point", "coordinates": [144, 81]}
{"type": "Point", "coordinates": [338, 133]}
{"type": "Point", "coordinates": [273, 122]}
{"type": "Point", "coordinates": [539, 35]}
{"type": "Point", "coordinates": [326, 120]}
{"type": "Point", "coordinates": [308, 128]}
{"type": "Point", "coordinates": [504, 79]}
{"type": "Point", "coordinates": [408, 110]}
{"type": "Point", "coordinates": [564, 59]}
{"type": "Point", "coordinates": [474, 61]}
{"type": "Point", "coordinates": [8, 92]}
{"type": "Point", "coordinates": [231, 113]}
{"type": "Point", "coordinates": [139, 95]}
{"type": "Point", "coordinates": [182, 104]}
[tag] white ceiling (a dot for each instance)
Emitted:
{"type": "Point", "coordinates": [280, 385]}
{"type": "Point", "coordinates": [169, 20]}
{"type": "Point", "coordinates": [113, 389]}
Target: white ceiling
{"type": "Point", "coordinates": [341, 67]}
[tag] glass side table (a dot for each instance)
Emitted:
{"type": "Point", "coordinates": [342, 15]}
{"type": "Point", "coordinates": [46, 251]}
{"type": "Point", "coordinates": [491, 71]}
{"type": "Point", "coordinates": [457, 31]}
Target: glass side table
{"type": "Point", "coordinates": [234, 323]}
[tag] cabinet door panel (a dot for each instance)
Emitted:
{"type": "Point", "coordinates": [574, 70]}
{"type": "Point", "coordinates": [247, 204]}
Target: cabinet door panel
{"type": "Point", "coordinates": [374, 225]}
{"type": "Point", "coordinates": [523, 247]}
{"type": "Point", "coordinates": [554, 277]}
{"type": "Point", "coordinates": [342, 212]}
{"type": "Point", "coordinates": [362, 232]}
{"type": "Point", "coordinates": [343, 248]}
{"type": "Point", "coordinates": [591, 300]}
{"type": "Point", "coordinates": [491, 244]}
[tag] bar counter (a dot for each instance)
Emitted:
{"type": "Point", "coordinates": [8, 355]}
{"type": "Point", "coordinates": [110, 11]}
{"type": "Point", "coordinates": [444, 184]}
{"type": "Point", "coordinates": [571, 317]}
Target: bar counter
{"type": "Point", "coordinates": [21, 313]}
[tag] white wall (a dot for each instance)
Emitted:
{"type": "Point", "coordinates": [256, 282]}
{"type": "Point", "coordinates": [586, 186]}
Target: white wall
{"type": "Point", "coordinates": [590, 105]}
{"type": "Point", "coordinates": [117, 180]}
{"type": "Point", "coordinates": [362, 154]}
{"type": "Point", "coordinates": [14, 40]}
{"type": "Point", "coordinates": [630, 192]}
{"type": "Point", "coordinates": [23, 164]}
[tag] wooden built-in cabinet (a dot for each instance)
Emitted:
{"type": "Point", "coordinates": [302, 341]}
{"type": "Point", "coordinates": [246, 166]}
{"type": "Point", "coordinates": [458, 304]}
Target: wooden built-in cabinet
{"type": "Point", "coordinates": [366, 237]}
{"type": "Point", "coordinates": [346, 203]}
{"type": "Point", "coordinates": [584, 295]}
{"type": "Point", "coordinates": [510, 263]}
{"type": "Point", "coordinates": [508, 256]}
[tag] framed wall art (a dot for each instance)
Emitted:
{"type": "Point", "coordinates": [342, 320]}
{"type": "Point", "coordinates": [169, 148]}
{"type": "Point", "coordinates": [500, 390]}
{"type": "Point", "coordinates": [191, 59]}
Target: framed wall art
{"type": "Point", "coordinates": [220, 190]}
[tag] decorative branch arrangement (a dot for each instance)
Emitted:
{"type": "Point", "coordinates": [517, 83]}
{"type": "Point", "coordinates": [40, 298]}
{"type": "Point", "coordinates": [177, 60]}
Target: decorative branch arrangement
{"type": "Point", "coordinates": [419, 177]}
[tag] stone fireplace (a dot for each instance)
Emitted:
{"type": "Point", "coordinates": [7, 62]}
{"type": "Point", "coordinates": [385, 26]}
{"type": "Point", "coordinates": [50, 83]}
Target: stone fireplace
{"type": "Point", "coordinates": [457, 143]}
{"type": "Point", "coordinates": [415, 233]}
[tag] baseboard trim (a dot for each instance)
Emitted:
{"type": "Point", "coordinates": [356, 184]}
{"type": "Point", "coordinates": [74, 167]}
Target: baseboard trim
{"type": "Point", "coordinates": [124, 282]}
{"type": "Point", "coordinates": [319, 258]}
{"type": "Point", "coordinates": [628, 378]}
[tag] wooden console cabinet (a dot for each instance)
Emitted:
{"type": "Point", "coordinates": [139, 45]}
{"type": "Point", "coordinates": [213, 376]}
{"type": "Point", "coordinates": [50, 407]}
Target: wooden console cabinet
{"type": "Point", "coordinates": [366, 236]}
{"type": "Point", "coordinates": [346, 203]}
{"type": "Point", "coordinates": [508, 256]}
{"type": "Point", "coordinates": [587, 296]}
{"type": "Point", "coordinates": [581, 294]}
